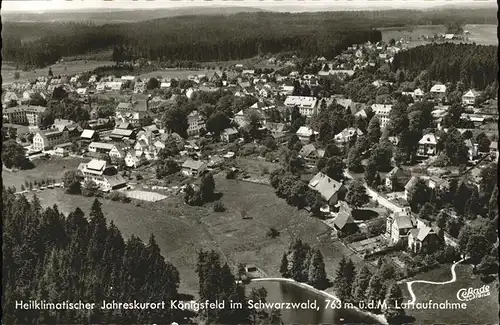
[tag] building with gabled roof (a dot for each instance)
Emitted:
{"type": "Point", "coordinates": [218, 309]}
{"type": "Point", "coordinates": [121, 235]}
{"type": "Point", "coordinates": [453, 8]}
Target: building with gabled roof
{"type": "Point", "coordinates": [310, 153]}
{"type": "Point", "coordinates": [469, 98]}
{"type": "Point", "coordinates": [304, 133]}
{"type": "Point", "coordinates": [104, 175]}
{"type": "Point", "coordinates": [329, 189]}
{"type": "Point", "coordinates": [193, 167]}
{"type": "Point", "coordinates": [47, 139]}
{"type": "Point", "coordinates": [396, 178]}
{"type": "Point", "coordinates": [427, 145]}
{"type": "Point", "coordinates": [398, 225]}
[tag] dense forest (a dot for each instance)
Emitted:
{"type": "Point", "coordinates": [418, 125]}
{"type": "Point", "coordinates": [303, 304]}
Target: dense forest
{"type": "Point", "coordinates": [475, 66]}
{"type": "Point", "coordinates": [217, 38]}
{"type": "Point", "coordinates": [53, 258]}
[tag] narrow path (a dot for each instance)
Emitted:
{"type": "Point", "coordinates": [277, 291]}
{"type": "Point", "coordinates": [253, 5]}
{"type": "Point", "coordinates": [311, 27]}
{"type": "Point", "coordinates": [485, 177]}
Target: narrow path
{"type": "Point", "coordinates": [453, 279]}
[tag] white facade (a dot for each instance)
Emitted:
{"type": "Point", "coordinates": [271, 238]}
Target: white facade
{"type": "Point", "coordinates": [47, 139]}
{"type": "Point", "coordinates": [306, 105]}
{"type": "Point", "coordinates": [382, 112]}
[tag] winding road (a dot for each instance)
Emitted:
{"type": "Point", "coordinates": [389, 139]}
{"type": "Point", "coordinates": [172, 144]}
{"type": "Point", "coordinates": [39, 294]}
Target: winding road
{"type": "Point", "coordinates": [453, 279]}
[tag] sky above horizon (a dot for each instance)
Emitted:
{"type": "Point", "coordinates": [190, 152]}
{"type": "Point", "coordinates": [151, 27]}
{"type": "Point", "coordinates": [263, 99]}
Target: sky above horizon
{"type": "Point", "coordinates": [56, 5]}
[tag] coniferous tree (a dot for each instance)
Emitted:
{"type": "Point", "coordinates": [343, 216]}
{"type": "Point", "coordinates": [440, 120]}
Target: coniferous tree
{"type": "Point", "coordinates": [72, 259]}
{"type": "Point", "coordinates": [361, 283]}
{"type": "Point", "coordinates": [284, 266]}
{"type": "Point", "coordinates": [394, 298]}
{"type": "Point", "coordinates": [376, 289]}
{"type": "Point", "coordinates": [317, 274]}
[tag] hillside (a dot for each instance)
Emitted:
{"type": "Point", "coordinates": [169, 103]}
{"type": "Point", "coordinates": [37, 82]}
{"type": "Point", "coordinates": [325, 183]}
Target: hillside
{"type": "Point", "coordinates": [103, 16]}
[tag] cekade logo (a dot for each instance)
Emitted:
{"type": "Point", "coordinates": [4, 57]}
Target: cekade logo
{"type": "Point", "coordinates": [468, 294]}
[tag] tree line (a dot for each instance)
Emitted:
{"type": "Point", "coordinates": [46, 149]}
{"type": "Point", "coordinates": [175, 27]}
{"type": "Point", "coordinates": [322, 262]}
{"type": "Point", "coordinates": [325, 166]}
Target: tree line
{"type": "Point", "coordinates": [48, 256]}
{"type": "Point", "coordinates": [474, 65]}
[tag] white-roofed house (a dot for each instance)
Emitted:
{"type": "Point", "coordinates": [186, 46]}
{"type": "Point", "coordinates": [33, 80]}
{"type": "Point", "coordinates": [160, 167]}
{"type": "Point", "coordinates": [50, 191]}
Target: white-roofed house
{"type": "Point", "coordinates": [331, 190]}
{"type": "Point", "coordinates": [427, 145]}
{"type": "Point", "coordinates": [304, 133]}
{"type": "Point", "coordinates": [104, 175]}
{"type": "Point", "coordinates": [469, 98]}
{"type": "Point", "coordinates": [438, 91]}
{"type": "Point", "coordinates": [418, 94]}
{"type": "Point", "coordinates": [193, 167]}
{"type": "Point", "coordinates": [345, 136]}
{"type": "Point", "coordinates": [229, 135]}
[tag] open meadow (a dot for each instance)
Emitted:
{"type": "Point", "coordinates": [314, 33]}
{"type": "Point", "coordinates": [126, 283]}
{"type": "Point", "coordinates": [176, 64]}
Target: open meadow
{"type": "Point", "coordinates": [62, 68]}
{"type": "Point", "coordinates": [53, 168]}
{"type": "Point", "coordinates": [479, 311]}
{"type": "Point", "coordinates": [182, 230]}
{"type": "Point", "coordinates": [480, 34]}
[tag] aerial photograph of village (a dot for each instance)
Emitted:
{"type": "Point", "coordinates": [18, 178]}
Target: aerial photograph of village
{"type": "Point", "coordinates": [250, 163]}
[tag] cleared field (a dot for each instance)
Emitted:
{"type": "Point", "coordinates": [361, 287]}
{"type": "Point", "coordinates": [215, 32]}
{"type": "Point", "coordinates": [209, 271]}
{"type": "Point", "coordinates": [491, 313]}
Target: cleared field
{"type": "Point", "coordinates": [479, 311]}
{"type": "Point", "coordinates": [411, 33]}
{"type": "Point", "coordinates": [53, 168]}
{"type": "Point", "coordinates": [483, 34]}
{"type": "Point", "coordinates": [181, 230]}
{"type": "Point", "coordinates": [67, 68]}
{"type": "Point", "coordinates": [480, 34]}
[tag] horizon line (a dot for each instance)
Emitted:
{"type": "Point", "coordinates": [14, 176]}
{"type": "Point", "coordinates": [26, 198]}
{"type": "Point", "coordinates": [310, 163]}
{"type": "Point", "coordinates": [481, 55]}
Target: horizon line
{"type": "Point", "coordinates": [54, 6]}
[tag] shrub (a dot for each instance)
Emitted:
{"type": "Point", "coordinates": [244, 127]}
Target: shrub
{"type": "Point", "coordinates": [272, 232]}
{"type": "Point", "coordinates": [90, 188]}
{"type": "Point", "coordinates": [231, 174]}
{"type": "Point", "coordinates": [139, 177]}
{"type": "Point", "coordinates": [219, 207]}
{"type": "Point", "coordinates": [119, 196]}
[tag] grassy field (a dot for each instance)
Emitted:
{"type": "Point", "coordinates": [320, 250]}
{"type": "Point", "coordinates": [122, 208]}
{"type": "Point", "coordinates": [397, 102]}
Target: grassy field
{"type": "Point", "coordinates": [53, 168]}
{"type": "Point", "coordinates": [182, 230]}
{"type": "Point", "coordinates": [479, 311]}
{"type": "Point", "coordinates": [66, 68]}
{"type": "Point", "coordinates": [481, 34]}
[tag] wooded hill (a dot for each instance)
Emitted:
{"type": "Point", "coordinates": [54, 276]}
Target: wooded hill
{"type": "Point", "coordinates": [218, 38]}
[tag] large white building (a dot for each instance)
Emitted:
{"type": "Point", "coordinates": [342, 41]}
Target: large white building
{"type": "Point", "coordinates": [382, 112]}
{"type": "Point", "coordinates": [23, 114]}
{"type": "Point", "coordinates": [106, 177]}
{"type": "Point", "coordinates": [306, 105]}
{"type": "Point", "coordinates": [47, 139]}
